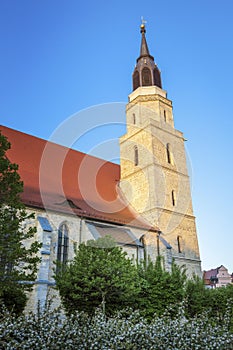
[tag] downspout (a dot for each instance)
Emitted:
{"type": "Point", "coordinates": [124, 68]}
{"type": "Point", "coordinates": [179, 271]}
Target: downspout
{"type": "Point", "coordinates": [158, 247]}
{"type": "Point", "coordinates": [80, 230]}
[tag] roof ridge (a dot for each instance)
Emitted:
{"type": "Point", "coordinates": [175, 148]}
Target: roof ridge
{"type": "Point", "coordinates": [56, 144]}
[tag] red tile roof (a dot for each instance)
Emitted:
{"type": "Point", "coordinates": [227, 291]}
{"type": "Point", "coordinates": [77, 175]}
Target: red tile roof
{"type": "Point", "coordinates": [210, 273]}
{"type": "Point", "coordinates": [61, 179]}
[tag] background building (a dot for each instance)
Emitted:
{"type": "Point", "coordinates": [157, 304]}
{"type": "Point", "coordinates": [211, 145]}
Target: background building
{"type": "Point", "coordinates": [219, 277]}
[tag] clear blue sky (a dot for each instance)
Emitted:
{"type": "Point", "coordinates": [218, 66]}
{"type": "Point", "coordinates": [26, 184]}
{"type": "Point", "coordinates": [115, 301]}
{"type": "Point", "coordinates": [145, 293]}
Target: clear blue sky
{"type": "Point", "coordinates": [58, 57]}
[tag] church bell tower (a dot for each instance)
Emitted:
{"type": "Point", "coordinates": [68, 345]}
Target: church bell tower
{"type": "Point", "coordinates": [154, 176]}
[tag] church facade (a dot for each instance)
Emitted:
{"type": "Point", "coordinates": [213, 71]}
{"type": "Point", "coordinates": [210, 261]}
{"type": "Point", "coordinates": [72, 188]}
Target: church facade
{"type": "Point", "coordinates": [144, 203]}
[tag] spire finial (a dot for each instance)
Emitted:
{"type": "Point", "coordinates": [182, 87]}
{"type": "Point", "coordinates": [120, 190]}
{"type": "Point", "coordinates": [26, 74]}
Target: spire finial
{"type": "Point", "coordinates": [144, 48]}
{"type": "Point", "coordinates": [143, 25]}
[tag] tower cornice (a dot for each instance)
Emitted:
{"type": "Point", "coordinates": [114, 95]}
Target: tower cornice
{"type": "Point", "coordinates": [147, 98]}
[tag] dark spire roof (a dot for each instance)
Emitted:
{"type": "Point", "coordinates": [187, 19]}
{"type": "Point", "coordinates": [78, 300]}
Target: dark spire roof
{"type": "Point", "coordinates": [144, 51]}
{"type": "Point", "coordinates": [146, 72]}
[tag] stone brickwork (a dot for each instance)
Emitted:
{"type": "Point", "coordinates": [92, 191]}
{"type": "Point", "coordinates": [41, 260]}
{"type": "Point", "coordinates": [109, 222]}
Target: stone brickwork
{"type": "Point", "coordinates": [44, 287]}
{"type": "Point", "coordinates": [156, 181]}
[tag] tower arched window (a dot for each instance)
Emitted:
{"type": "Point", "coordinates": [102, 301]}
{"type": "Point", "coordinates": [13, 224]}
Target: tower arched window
{"type": "Point", "coordinates": [173, 198]}
{"type": "Point", "coordinates": [62, 244]}
{"type": "Point", "coordinates": [136, 81]}
{"type": "Point", "coordinates": [157, 78]}
{"type": "Point", "coordinates": [169, 155]}
{"type": "Point", "coordinates": [165, 116]}
{"type": "Point", "coordinates": [135, 155]}
{"type": "Point", "coordinates": [146, 77]}
{"type": "Point", "coordinates": [134, 118]}
{"type": "Point", "coordinates": [179, 244]}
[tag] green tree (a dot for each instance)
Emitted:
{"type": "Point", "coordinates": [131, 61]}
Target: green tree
{"type": "Point", "coordinates": [221, 299]}
{"type": "Point", "coordinates": [100, 274]}
{"type": "Point", "coordinates": [18, 263]}
{"type": "Point", "coordinates": [160, 288]}
{"type": "Point", "coordinates": [217, 302]}
{"type": "Point", "coordinates": [197, 297]}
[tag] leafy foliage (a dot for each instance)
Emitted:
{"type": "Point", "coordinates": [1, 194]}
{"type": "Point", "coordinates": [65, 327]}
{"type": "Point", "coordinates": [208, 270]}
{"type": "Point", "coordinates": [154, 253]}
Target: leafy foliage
{"type": "Point", "coordinates": [218, 301]}
{"type": "Point", "coordinates": [160, 288]}
{"type": "Point", "coordinates": [102, 275]}
{"type": "Point", "coordinates": [196, 296]}
{"type": "Point", "coordinates": [13, 297]}
{"type": "Point", "coordinates": [49, 330]}
{"type": "Point", "coordinates": [17, 262]}
{"type": "Point", "coordinates": [99, 274]}
{"type": "Point", "coordinates": [199, 299]}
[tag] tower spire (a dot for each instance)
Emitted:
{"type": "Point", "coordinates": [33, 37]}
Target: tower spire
{"type": "Point", "coordinates": [146, 72]}
{"type": "Point", "coordinates": [144, 51]}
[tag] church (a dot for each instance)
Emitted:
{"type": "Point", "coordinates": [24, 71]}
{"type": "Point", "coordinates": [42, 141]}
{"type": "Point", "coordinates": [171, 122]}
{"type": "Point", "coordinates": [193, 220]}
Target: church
{"type": "Point", "coordinates": [144, 203]}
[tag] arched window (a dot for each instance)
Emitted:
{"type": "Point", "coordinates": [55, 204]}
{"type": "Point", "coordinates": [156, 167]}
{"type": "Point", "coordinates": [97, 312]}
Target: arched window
{"type": "Point", "coordinates": [142, 240]}
{"type": "Point", "coordinates": [136, 82]}
{"type": "Point", "coordinates": [179, 244]}
{"type": "Point", "coordinates": [135, 155]}
{"type": "Point", "coordinates": [165, 116]}
{"type": "Point", "coordinates": [157, 78]}
{"type": "Point", "coordinates": [143, 249]}
{"type": "Point", "coordinates": [146, 77]}
{"type": "Point", "coordinates": [62, 244]}
{"type": "Point", "coordinates": [173, 198]}
{"type": "Point", "coordinates": [134, 118]}
{"type": "Point", "coordinates": [169, 156]}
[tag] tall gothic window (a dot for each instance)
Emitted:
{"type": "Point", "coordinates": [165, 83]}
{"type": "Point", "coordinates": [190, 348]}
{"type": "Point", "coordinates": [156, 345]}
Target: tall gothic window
{"type": "Point", "coordinates": [144, 255]}
{"type": "Point", "coordinates": [146, 77]}
{"type": "Point", "coordinates": [135, 155]}
{"type": "Point", "coordinates": [179, 243]}
{"type": "Point", "coordinates": [173, 198]}
{"type": "Point", "coordinates": [63, 244]}
{"type": "Point", "coordinates": [134, 118]}
{"type": "Point", "coordinates": [136, 81]}
{"type": "Point", "coordinates": [165, 116]}
{"type": "Point", "coordinates": [157, 78]}
{"type": "Point", "coordinates": [169, 156]}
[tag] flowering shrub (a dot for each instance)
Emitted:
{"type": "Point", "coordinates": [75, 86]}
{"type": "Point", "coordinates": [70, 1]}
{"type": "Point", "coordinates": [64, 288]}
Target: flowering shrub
{"type": "Point", "coordinates": [125, 331]}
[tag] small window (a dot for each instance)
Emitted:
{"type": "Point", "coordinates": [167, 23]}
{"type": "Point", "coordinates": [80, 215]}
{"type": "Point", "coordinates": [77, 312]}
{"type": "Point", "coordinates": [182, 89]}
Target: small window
{"type": "Point", "coordinates": [68, 203]}
{"type": "Point", "coordinates": [63, 244]}
{"type": "Point", "coordinates": [134, 118]}
{"type": "Point", "coordinates": [173, 198]}
{"type": "Point", "coordinates": [165, 116]}
{"type": "Point", "coordinates": [135, 155]}
{"type": "Point", "coordinates": [136, 82]}
{"type": "Point", "coordinates": [179, 244]}
{"type": "Point", "coordinates": [169, 156]}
